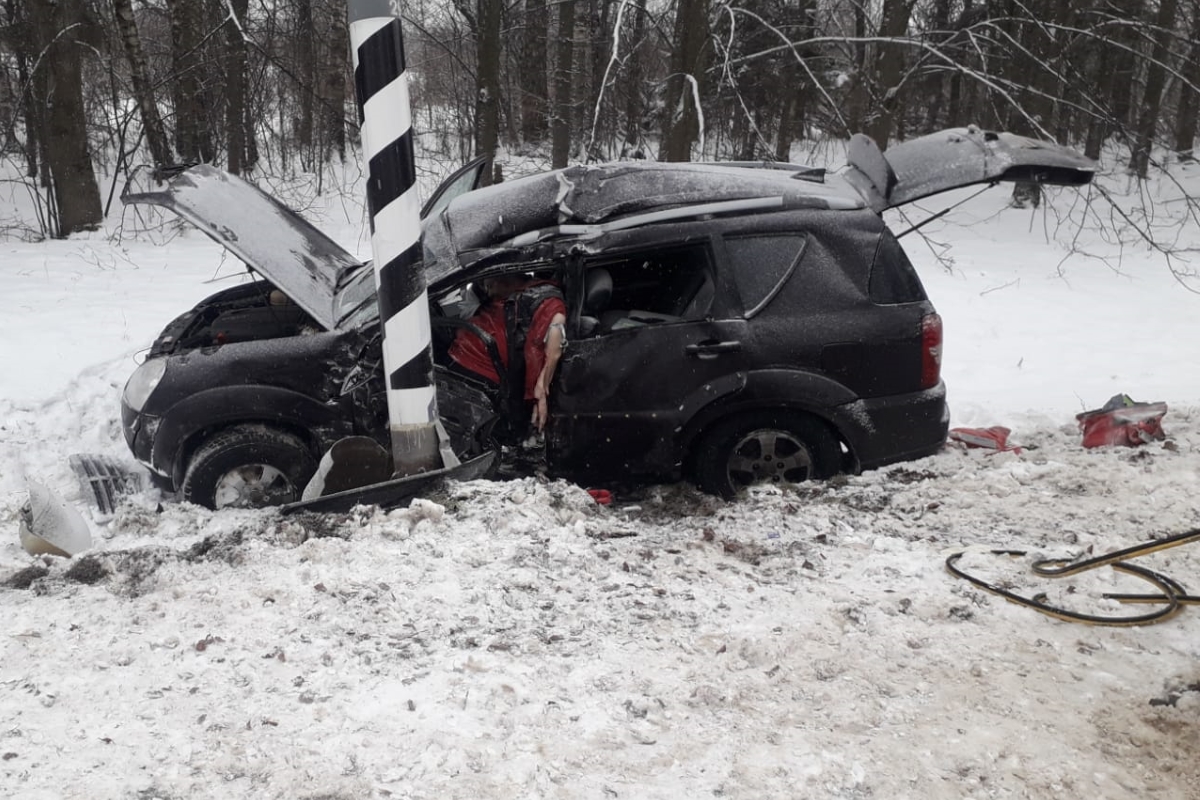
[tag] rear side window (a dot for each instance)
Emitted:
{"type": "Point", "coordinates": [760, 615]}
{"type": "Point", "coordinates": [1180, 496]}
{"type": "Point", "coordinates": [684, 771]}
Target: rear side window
{"type": "Point", "coordinates": [667, 281]}
{"type": "Point", "coordinates": [893, 278]}
{"type": "Point", "coordinates": [761, 265]}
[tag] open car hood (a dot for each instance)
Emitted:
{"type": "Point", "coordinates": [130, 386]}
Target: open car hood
{"type": "Point", "coordinates": [954, 158]}
{"type": "Point", "coordinates": [273, 240]}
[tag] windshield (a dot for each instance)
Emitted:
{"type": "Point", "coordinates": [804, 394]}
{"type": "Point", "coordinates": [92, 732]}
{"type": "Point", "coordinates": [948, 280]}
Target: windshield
{"type": "Point", "coordinates": [356, 302]}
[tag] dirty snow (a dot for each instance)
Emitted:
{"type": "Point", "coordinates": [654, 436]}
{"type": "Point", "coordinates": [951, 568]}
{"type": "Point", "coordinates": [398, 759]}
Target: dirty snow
{"type": "Point", "coordinates": [501, 640]}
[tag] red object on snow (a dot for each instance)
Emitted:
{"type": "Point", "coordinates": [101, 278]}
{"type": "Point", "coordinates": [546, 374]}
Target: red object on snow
{"type": "Point", "coordinates": [602, 496]}
{"type": "Point", "coordinates": [993, 438]}
{"type": "Point", "coordinates": [1122, 422]}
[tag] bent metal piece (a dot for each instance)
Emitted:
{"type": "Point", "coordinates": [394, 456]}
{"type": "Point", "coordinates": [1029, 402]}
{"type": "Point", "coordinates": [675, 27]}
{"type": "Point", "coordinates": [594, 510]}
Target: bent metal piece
{"type": "Point", "coordinates": [1171, 595]}
{"type": "Point", "coordinates": [397, 492]}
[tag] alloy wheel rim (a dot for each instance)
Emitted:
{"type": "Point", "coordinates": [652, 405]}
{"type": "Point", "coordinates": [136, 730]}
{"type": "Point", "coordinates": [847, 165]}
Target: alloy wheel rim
{"type": "Point", "coordinates": [253, 486]}
{"type": "Point", "coordinates": [769, 455]}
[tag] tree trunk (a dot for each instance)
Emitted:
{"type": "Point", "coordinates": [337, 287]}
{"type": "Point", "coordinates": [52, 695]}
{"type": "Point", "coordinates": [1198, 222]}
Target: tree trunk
{"type": "Point", "coordinates": [885, 74]}
{"type": "Point", "coordinates": [235, 89]}
{"type": "Point", "coordinates": [634, 106]}
{"type": "Point", "coordinates": [1156, 73]}
{"type": "Point", "coordinates": [333, 86]}
{"type": "Point", "coordinates": [532, 80]}
{"type": "Point", "coordinates": [786, 134]}
{"type": "Point", "coordinates": [564, 73]}
{"type": "Point", "coordinates": [61, 29]}
{"type": "Point", "coordinates": [937, 83]}
{"type": "Point", "coordinates": [487, 81]}
{"type": "Point", "coordinates": [193, 139]}
{"type": "Point", "coordinates": [1186, 113]}
{"type": "Point", "coordinates": [601, 38]}
{"type": "Point", "coordinates": [306, 68]}
{"type": "Point", "coordinates": [681, 118]}
{"type": "Point", "coordinates": [152, 123]}
{"type": "Point", "coordinates": [22, 44]}
{"type": "Point", "coordinates": [857, 97]}
{"type": "Point", "coordinates": [1120, 77]}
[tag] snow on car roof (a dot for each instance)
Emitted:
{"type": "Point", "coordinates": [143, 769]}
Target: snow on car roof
{"type": "Point", "coordinates": [591, 194]}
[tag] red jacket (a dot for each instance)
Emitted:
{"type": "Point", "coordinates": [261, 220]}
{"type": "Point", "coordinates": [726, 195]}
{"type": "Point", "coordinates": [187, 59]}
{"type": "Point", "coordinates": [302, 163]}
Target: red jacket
{"type": "Point", "coordinates": [469, 351]}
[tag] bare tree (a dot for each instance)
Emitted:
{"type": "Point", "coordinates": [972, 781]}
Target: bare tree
{"type": "Point", "coordinates": [1186, 112]}
{"type": "Point", "coordinates": [237, 156]}
{"type": "Point", "coordinates": [1152, 95]}
{"type": "Point", "coordinates": [193, 136]}
{"type": "Point", "coordinates": [532, 72]}
{"type": "Point", "coordinates": [152, 123]}
{"type": "Point", "coordinates": [62, 32]}
{"type": "Point", "coordinates": [682, 125]}
{"type": "Point", "coordinates": [564, 70]}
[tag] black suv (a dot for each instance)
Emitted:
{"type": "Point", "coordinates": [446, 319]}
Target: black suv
{"type": "Point", "coordinates": [729, 323]}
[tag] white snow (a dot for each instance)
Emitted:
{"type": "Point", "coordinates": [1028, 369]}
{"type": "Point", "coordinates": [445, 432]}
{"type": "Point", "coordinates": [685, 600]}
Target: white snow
{"type": "Point", "coordinates": [504, 640]}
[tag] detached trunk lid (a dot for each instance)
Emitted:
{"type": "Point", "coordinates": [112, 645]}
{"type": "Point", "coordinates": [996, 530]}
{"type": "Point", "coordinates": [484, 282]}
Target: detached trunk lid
{"type": "Point", "coordinates": [954, 158]}
{"type": "Point", "coordinates": [273, 240]}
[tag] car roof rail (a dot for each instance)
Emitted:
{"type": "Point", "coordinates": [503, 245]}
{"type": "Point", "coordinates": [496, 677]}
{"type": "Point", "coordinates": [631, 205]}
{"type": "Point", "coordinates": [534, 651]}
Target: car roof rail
{"type": "Point", "coordinates": [801, 172]}
{"type": "Point", "coordinates": [589, 231]}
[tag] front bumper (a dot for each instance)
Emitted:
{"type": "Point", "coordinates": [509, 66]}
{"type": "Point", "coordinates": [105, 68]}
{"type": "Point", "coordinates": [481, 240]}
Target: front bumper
{"type": "Point", "coordinates": [139, 430]}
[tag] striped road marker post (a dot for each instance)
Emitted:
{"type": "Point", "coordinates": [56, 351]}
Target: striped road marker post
{"type": "Point", "coordinates": [382, 90]}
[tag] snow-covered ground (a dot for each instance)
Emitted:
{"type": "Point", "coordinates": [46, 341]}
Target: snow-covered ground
{"type": "Point", "coordinates": [501, 640]}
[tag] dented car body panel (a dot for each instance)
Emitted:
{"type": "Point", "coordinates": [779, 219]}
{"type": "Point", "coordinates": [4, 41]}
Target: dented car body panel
{"type": "Point", "coordinates": [761, 314]}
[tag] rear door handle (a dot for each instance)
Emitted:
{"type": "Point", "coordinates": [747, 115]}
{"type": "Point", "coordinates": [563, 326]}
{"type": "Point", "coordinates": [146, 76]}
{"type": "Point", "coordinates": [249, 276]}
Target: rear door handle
{"type": "Point", "coordinates": [712, 349]}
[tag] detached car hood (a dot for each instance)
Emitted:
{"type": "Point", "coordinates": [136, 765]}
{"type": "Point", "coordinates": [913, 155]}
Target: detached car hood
{"type": "Point", "coordinates": [954, 158]}
{"type": "Point", "coordinates": [273, 240]}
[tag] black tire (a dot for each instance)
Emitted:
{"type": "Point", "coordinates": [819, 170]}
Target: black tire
{"type": "Point", "coordinates": [248, 466]}
{"type": "Point", "coordinates": [764, 447]}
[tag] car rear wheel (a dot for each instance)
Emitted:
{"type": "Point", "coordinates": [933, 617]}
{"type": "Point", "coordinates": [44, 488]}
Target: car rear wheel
{"type": "Point", "coordinates": [764, 447]}
{"type": "Point", "coordinates": [248, 466]}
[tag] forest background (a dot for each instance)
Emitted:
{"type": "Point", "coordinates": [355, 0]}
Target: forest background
{"type": "Point", "coordinates": [90, 89]}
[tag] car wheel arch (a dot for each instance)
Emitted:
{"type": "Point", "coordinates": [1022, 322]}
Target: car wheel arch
{"type": "Point", "coordinates": [724, 412]}
{"type": "Point", "coordinates": [192, 444]}
{"type": "Point", "coordinates": [197, 416]}
{"type": "Point", "coordinates": [248, 465]}
{"type": "Point", "coordinates": [793, 391]}
{"type": "Point", "coordinates": [764, 445]}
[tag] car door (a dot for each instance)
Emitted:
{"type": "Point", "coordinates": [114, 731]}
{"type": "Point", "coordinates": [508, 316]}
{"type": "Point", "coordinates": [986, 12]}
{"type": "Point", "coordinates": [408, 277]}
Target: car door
{"type": "Point", "coordinates": [465, 179]}
{"type": "Point", "coordinates": [662, 345]}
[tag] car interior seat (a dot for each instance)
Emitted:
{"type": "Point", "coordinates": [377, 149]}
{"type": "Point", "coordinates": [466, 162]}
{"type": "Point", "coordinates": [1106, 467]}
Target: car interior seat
{"type": "Point", "coordinates": [597, 293]}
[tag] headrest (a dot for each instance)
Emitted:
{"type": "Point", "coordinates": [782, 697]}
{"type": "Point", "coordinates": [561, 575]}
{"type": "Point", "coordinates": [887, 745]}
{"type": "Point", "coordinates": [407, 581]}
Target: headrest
{"type": "Point", "coordinates": [597, 290]}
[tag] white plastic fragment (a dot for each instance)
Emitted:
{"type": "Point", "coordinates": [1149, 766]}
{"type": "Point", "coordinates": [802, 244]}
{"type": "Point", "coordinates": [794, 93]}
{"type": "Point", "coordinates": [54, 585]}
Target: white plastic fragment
{"type": "Point", "coordinates": [50, 525]}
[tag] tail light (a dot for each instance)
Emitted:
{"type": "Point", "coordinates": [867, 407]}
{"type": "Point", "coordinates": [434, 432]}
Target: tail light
{"type": "Point", "coordinates": [931, 350]}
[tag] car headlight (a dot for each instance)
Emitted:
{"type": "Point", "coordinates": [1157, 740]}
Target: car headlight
{"type": "Point", "coordinates": [143, 382]}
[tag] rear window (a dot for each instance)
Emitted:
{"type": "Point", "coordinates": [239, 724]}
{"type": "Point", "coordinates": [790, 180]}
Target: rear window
{"type": "Point", "coordinates": [893, 278]}
{"type": "Point", "coordinates": [761, 265]}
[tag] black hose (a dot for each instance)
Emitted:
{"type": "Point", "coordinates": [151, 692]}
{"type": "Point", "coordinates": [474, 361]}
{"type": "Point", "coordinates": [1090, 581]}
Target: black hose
{"type": "Point", "coordinates": [1171, 595]}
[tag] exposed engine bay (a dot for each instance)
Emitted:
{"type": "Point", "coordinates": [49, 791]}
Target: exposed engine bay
{"type": "Point", "coordinates": [250, 312]}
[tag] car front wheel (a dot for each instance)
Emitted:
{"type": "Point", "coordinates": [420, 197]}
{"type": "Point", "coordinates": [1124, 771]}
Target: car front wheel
{"type": "Point", "coordinates": [764, 447]}
{"type": "Point", "coordinates": [248, 466]}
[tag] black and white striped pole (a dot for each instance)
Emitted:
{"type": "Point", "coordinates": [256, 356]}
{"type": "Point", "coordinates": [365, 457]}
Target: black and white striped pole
{"type": "Point", "coordinates": [382, 89]}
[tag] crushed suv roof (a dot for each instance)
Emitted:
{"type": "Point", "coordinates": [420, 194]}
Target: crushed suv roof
{"type": "Point", "coordinates": [564, 201]}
